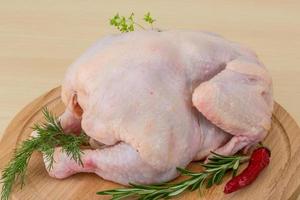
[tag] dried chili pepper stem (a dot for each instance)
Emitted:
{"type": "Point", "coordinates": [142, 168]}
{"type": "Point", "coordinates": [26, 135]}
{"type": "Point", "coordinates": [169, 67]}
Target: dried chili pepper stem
{"type": "Point", "coordinates": [259, 160]}
{"type": "Point", "coordinates": [245, 159]}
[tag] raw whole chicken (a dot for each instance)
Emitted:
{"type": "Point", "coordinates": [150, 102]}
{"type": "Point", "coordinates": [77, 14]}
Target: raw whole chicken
{"type": "Point", "coordinates": [154, 101]}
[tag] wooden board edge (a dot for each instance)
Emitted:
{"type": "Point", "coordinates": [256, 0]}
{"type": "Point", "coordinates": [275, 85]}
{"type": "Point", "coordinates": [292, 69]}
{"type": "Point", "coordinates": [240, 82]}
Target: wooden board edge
{"type": "Point", "coordinates": [33, 107]}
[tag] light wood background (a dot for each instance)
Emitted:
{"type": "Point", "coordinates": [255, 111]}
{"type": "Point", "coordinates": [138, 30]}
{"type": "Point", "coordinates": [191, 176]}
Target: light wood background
{"type": "Point", "coordinates": [39, 39]}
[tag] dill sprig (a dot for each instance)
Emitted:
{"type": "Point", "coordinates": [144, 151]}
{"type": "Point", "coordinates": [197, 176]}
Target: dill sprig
{"type": "Point", "coordinates": [127, 24]}
{"type": "Point", "coordinates": [49, 135]}
{"type": "Point", "coordinates": [213, 173]}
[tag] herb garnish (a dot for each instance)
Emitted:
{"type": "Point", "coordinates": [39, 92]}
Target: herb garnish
{"type": "Point", "coordinates": [49, 135]}
{"type": "Point", "coordinates": [214, 172]}
{"type": "Point", "coordinates": [126, 24]}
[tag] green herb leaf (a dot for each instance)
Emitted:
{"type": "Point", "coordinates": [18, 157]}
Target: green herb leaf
{"type": "Point", "coordinates": [235, 168]}
{"type": "Point", "coordinates": [209, 183]}
{"type": "Point", "coordinates": [148, 18]}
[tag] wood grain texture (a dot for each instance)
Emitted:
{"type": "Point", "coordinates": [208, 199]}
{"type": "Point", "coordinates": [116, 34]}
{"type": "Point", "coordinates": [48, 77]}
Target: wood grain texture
{"type": "Point", "coordinates": [280, 181]}
{"type": "Point", "coordinates": [39, 39]}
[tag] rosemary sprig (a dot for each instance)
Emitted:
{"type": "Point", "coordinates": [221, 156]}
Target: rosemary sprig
{"type": "Point", "coordinates": [49, 135]}
{"type": "Point", "coordinates": [126, 24]}
{"type": "Point", "coordinates": [214, 172]}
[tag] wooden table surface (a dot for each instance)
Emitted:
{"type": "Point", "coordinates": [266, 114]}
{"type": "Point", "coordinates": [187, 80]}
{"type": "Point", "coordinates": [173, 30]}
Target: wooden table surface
{"type": "Point", "coordinates": [39, 39]}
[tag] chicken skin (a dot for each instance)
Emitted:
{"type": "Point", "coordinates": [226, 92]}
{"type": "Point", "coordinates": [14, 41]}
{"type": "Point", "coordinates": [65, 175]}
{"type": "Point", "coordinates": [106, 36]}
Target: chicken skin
{"type": "Point", "coordinates": [159, 100]}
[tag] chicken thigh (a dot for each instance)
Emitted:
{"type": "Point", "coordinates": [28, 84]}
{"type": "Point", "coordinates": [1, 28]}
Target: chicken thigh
{"type": "Point", "coordinates": [159, 100]}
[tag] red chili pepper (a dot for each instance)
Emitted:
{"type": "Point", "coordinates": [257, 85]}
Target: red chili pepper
{"type": "Point", "coordinates": [260, 159]}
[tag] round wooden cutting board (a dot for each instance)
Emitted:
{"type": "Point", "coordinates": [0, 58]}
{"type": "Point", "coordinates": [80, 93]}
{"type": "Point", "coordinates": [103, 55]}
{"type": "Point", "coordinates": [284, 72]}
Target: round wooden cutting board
{"type": "Point", "coordinates": [281, 180]}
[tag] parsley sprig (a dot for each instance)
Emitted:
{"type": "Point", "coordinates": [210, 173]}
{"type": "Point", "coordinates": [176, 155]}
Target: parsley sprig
{"type": "Point", "coordinates": [127, 24]}
{"type": "Point", "coordinates": [49, 135]}
{"type": "Point", "coordinates": [149, 19]}
{"type": "Point", "coordinates": [214, 172]}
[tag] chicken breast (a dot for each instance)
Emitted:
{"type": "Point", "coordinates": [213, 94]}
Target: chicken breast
{"type": "Point", "coordinates": [159, 100]}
